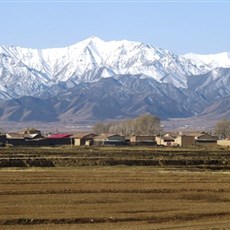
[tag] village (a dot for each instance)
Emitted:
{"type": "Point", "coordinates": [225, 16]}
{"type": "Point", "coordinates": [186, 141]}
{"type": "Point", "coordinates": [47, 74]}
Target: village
{"type": "Point", "coordinates": [34, 137]}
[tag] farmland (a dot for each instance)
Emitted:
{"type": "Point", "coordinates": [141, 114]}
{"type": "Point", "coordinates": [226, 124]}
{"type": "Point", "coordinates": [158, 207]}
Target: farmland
{"type": "Point", "coordinates": [114, 188]}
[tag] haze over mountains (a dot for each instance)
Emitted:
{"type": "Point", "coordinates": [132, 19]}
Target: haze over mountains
{"type": "Point", "coordinates": [96, 80]}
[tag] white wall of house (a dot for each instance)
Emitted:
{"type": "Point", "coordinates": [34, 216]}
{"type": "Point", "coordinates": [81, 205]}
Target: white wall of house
{"type": "Point", "coordinates": [224, 143]}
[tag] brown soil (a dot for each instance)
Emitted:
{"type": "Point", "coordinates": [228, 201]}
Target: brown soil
{"type": "Point", "coordinates": [118, 197]}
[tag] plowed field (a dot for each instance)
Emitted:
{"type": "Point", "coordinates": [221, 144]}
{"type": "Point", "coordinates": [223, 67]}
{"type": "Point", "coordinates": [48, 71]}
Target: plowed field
{"type": "Point", "coordinates": [117, 197]}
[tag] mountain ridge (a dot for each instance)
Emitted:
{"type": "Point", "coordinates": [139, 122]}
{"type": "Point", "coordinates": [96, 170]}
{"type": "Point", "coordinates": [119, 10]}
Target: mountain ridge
{"type": "Point", "coordinates": [95, 80]}
{"type": "Point", "coordinates": [36, 70]}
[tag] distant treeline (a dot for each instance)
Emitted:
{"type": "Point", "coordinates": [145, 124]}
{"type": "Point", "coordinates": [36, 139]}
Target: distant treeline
{"type": "Point", "coordinates": [142, 125]}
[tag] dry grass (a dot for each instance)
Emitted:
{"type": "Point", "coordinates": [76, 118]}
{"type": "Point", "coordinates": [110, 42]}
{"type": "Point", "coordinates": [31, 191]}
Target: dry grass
{"type": "Point", "coordinates": [116, 197]}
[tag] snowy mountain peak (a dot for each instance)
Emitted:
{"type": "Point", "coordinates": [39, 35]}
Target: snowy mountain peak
{"type": "Point", "coordinates": [94, 38]}
{"type": "Point", "coordinates": [212, 60]}
{"type": "Point", "coordinates": [91, 40]}
{"type": "Point", "coordinates": [26, 71]}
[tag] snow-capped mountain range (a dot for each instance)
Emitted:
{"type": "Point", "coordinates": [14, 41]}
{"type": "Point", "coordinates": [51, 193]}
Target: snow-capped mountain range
{"type": "Point", "coordinates": [70, 72]}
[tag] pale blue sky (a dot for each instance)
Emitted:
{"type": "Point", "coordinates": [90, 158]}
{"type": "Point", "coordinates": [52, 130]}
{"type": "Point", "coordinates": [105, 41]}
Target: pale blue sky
{"type": "Point", "coordinates": [179, 26]}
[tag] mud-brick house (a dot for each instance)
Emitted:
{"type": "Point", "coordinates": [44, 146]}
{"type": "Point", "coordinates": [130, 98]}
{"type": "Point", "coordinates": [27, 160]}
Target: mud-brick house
{"type": "Point", "coordinates": [143, 140]}
{"type": "Point", "coordinates": [15, 139]}
{"type": "Point", "coordinates": [205, 139]}
{"type": "Point", "coordinates": [110, 139]}
{"type": "Point", "coordinates": [165, 140]}
{"type": "Point", "coordinates": [84, 139]}
{"type": "Point", "coordinates": [183, 140]}
{"type": "Point", "coordinates": [26, 137]}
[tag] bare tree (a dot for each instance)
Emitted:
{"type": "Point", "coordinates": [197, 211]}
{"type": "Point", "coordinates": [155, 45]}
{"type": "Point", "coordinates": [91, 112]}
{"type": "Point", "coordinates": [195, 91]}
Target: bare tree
{"type": "Point", "coordinates": [147, 125]}
{"type": "Point", "coordinates": [222, 128]}
{"type": "Point", "coordinates": [101, 127]}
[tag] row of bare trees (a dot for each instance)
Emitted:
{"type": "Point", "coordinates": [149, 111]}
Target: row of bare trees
{"type": "Point", "coordinates": [149, 125]}
{"type": "Point", "coordinates": [142, 125]}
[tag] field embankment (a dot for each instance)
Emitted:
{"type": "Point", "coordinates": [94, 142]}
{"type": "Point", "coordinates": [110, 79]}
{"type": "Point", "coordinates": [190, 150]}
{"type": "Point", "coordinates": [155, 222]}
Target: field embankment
{"type": "Point", "coordinates": [113, 156]}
